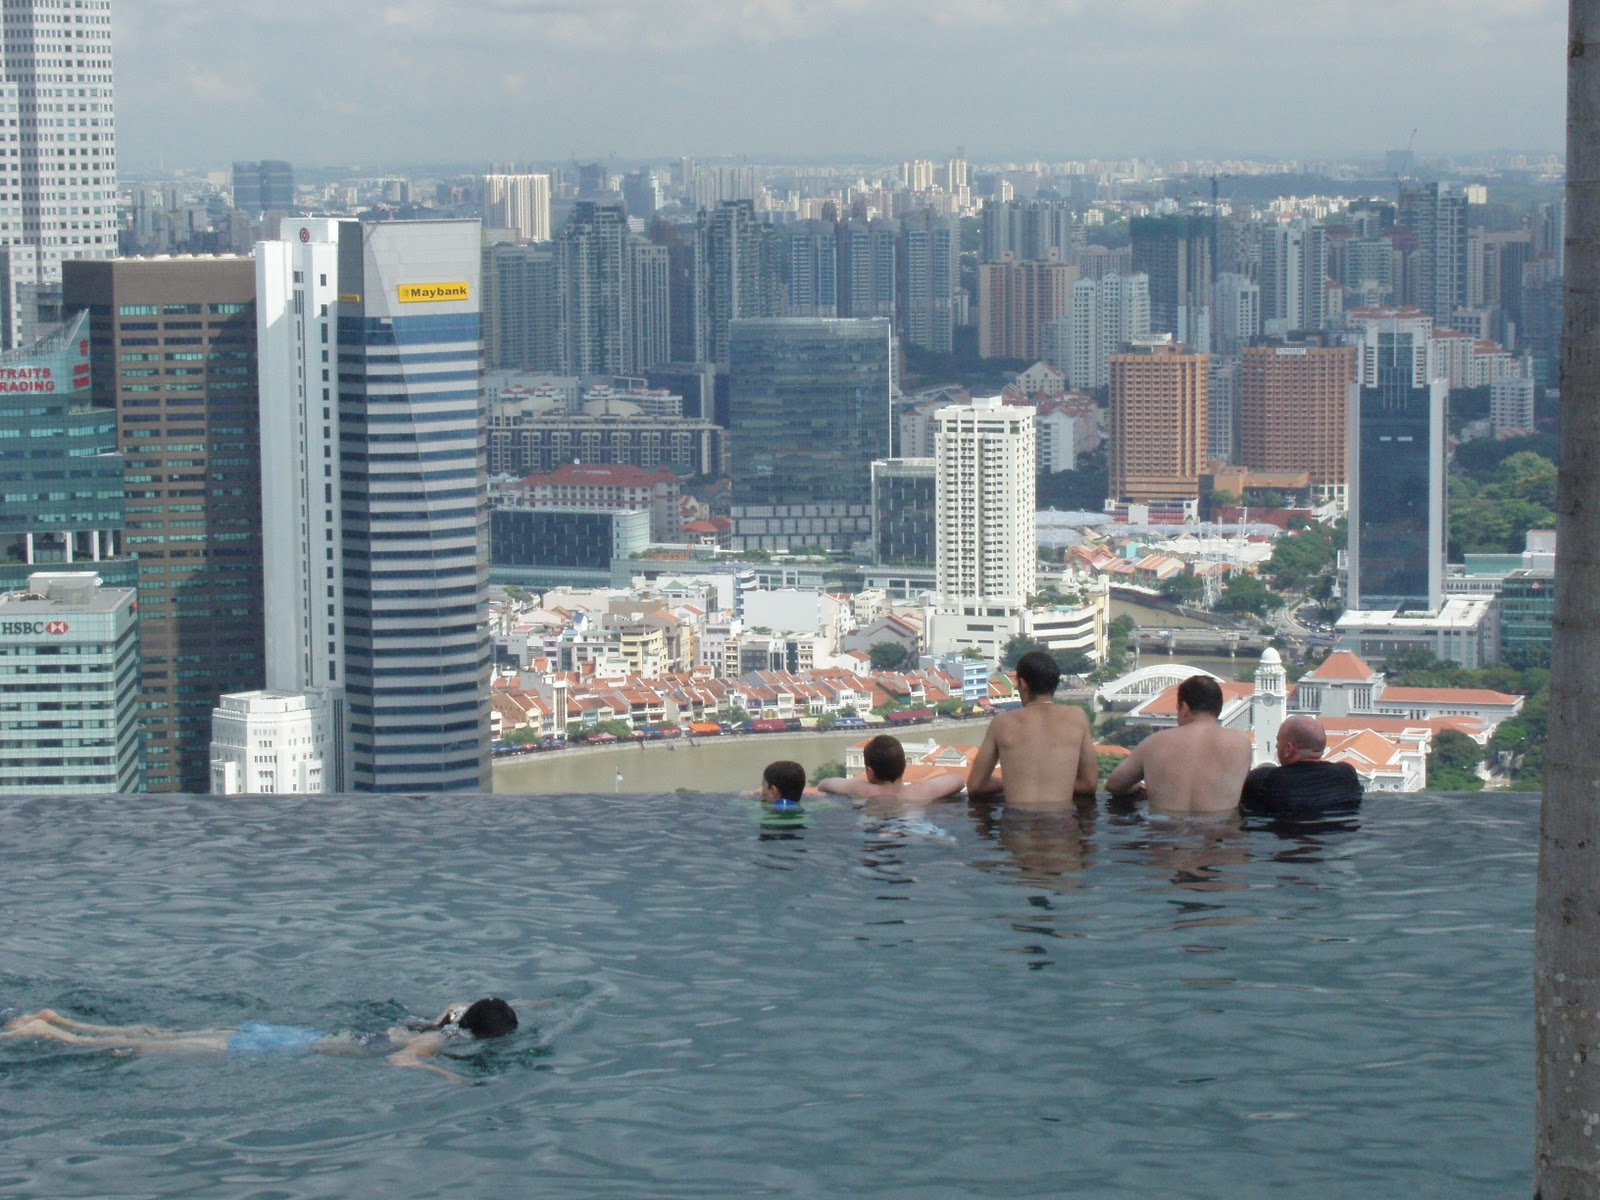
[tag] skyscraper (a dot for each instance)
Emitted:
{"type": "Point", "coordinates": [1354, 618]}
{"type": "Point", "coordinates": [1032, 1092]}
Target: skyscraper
{"type": "Point", "coordinates": [1175, 252]}
{"type": "Point", "coordinates": [1016, 301]}
{"type": "Point", "coordinates": [866, 268]}
{"type": "Point", "coordinates": [56, 87]}
{"type": "Point", "coordinates": [811, 269]}
{"type": "Point", "coordinates": [1294, 404]}
{"type": "Point", "coordinates": [172, 352]}
{"type": "Point", "coordinates": [987, 546]}
{"type": "Point", "coordinates": [263, 186]}
{"type": "Point", "coordinates": [809, 413]}
{"type": "Point", "coordinates": [1397, 465]}
{"type": "Point", "coordinates": [1107, 313]}
{"type": "Point", "coordinates": [904, 499]}
{"type": "Point", "coordinates": [62, 507]}
{"type": "Point", "coordinates": [1437, 216]}
{"type": "Point", "coordinates": [736, 275]}
{"type": "Point", "coordinates": [520, 203]}
{"type": "Point", "coordinates": [929, 265]}
{"type": "Point", "coordinates": [1159, 424]}
{"type": "Point", "coordinates": [69, 724]}
{"type": "Point", "coordinates": [521, 308]}
{"type": "Point", "coordinates": [1238, 314]}
{"type": "Point", "coordinates": [613, 289]}
{"type": "Point", "coordinates": [376, 493]}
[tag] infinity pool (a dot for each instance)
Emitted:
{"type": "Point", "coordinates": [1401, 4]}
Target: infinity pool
{"type": "Point", "coordinates": [971, 1005]}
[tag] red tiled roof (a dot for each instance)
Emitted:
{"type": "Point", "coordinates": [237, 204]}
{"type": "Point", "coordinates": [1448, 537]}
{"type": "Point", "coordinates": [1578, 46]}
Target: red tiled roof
{"type": "Point", "coordinates": [1445, 695]}
{"type": "Point", "coordinates": [1342, 664]}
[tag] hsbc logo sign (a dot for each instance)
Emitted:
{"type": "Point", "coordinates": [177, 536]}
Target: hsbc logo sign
{"type": "Point", "coordinates": [19, 628]}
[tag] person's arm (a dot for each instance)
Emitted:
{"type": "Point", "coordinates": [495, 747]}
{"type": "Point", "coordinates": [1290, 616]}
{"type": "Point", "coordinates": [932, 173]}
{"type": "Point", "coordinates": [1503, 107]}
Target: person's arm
{"type": "Point", "coordinates": [416, 1053]}
{"type": "Point", "coordinates": [840, 786]}
{"type": "Point", "coordinates": [935, 787]}
{"type": "Point", "coordinates": [1129, 772]}
{"type": "Point", "coordinates": [980, 777]}
{"type": "Point", "coordinates": [1088, 779]}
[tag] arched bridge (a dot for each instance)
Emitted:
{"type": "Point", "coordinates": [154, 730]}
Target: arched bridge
{"type": "Point", "coordinates": [1140, 685]}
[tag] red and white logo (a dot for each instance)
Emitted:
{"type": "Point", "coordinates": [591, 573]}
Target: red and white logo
{"type": "Point", "coordinates": [55, 626]}
{"type": "Point", "coordinates": [305, 234]}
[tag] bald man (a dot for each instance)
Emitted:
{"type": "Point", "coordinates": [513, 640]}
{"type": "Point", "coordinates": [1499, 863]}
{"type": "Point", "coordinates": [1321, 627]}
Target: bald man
{"type": "Point", "coordinates": [1303, 784]}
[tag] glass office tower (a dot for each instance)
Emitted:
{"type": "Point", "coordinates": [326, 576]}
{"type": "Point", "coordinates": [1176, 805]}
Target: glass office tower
{"type": "Point", "coordinates": [413, 507]}
{"type": "Point", "coordinates": [809, 412]}
{"type": "Point", "coordinates": [1397, 472]}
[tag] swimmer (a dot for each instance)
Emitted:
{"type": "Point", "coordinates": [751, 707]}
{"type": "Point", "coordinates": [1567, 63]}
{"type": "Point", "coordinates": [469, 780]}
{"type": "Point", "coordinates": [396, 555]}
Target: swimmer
{"type": "Point", "coordinates": [408, 1044]}
{"type": "Point", "coordinates": [1196, 768]}
{"type": "Point", "coordinates": [782, 784]}
{"type": "Point", "coordinates": [885, 761]}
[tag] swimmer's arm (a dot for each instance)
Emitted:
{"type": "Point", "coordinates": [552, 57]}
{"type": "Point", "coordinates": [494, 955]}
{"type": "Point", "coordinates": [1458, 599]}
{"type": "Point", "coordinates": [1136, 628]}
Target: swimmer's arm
{"type": "Point", "coordinates": [416, 1054]}
{"type": "Point", "coordinates": [839, 786]}
{"type": "Point", "coordinates": [409, 1058]}
{"type": "Point", "coordinates": [935, 787]}
{"type": "Point", "coordinates": [980, 778]}
{"type": "Point", "coordinates": [1088, 779]}
{"type": "Point", "coordinates": [1128, 774]}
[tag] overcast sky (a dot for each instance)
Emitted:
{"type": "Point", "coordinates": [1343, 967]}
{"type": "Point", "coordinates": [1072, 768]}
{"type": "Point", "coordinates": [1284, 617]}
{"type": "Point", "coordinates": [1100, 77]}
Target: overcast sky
{"type": "Point", "coordinates": [363, 82]}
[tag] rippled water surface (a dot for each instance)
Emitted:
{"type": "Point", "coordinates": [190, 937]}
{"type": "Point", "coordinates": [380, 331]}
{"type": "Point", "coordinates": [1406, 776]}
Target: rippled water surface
{"type": "Point", "coordinates": [970, 1005]}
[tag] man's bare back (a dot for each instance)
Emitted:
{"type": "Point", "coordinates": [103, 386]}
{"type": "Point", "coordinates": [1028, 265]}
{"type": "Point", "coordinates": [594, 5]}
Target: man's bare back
{"type": "Point", "coordinates": [1198, 767]}
{"type": "Point", "coordinates": [1045, 751]}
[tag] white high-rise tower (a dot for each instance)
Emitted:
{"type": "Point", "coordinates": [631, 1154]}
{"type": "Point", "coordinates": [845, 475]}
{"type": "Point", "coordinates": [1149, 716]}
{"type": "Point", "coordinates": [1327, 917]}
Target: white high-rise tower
{"type": "Point", "coordinates": [58, 150]}
{"type": "Point", "coordinates": [987, 546]}
{"type": "Point", "coordinates": [56, 90]}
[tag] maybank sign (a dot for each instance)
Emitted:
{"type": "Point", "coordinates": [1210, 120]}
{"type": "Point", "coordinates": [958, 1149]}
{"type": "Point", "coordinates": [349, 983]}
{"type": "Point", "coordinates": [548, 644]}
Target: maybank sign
{"type": "Point", "coordinates": [430, 293]}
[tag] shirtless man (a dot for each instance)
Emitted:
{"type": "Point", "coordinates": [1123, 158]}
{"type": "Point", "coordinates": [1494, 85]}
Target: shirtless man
{"type": "Point", "coordinates": [1199, 767]}
{"type": "Point", "coordinates": [885, 760]}
{"type": "Point", "coordinates": [1044, 749]}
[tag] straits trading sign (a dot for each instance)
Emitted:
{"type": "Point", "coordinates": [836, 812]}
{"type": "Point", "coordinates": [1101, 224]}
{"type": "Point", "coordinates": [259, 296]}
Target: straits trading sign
{"type": "Point", "coordinates": [431, 293]}
{"type": "Point", "coordinates": [27, 379]}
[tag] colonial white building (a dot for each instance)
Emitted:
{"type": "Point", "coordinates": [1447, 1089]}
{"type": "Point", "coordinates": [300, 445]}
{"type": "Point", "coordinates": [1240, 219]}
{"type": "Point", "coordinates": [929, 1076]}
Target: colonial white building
{"type": "Point", "coordinates": [268, 742]}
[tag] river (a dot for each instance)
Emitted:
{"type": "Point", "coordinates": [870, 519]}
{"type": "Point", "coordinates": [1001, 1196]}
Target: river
{"type": "Point", "coordinates": [719, 764]}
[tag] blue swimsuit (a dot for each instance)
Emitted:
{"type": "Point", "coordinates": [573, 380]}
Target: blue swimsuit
{"type": "Point", "coordinates": [258, 1037]}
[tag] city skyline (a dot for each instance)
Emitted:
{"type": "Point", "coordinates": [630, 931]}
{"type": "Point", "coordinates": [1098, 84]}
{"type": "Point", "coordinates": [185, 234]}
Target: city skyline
{"type": "Point", "coordinates": [432, 81]}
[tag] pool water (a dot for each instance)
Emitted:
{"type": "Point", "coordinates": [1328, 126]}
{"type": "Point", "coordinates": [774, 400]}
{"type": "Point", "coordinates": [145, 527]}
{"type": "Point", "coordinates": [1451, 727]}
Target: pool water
{"type": "Point", "coordinates": [968, 1005]}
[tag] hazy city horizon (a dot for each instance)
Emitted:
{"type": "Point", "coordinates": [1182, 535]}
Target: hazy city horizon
{"type": "Point", "coordinates": [428, 80]}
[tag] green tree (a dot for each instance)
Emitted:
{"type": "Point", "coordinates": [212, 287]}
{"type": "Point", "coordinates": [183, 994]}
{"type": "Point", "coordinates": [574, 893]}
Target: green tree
{"type": "Point", "coordinates": [1016, 647]}
{"type": "Point", "coordinates": [826, 721]}
{"type": "Point", "coordinates": [887, 656]}
{"type": "Point", "coordinates": [1182, 589]}
{"type": "Point", "coordinates": [1246, 593]}
{"type": "Point", "coordinates": [1453, 763]}
{"type": "Point", "coordinates": [827, 770]}
{"type": "Point", "coordinates": [1072, 662]}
